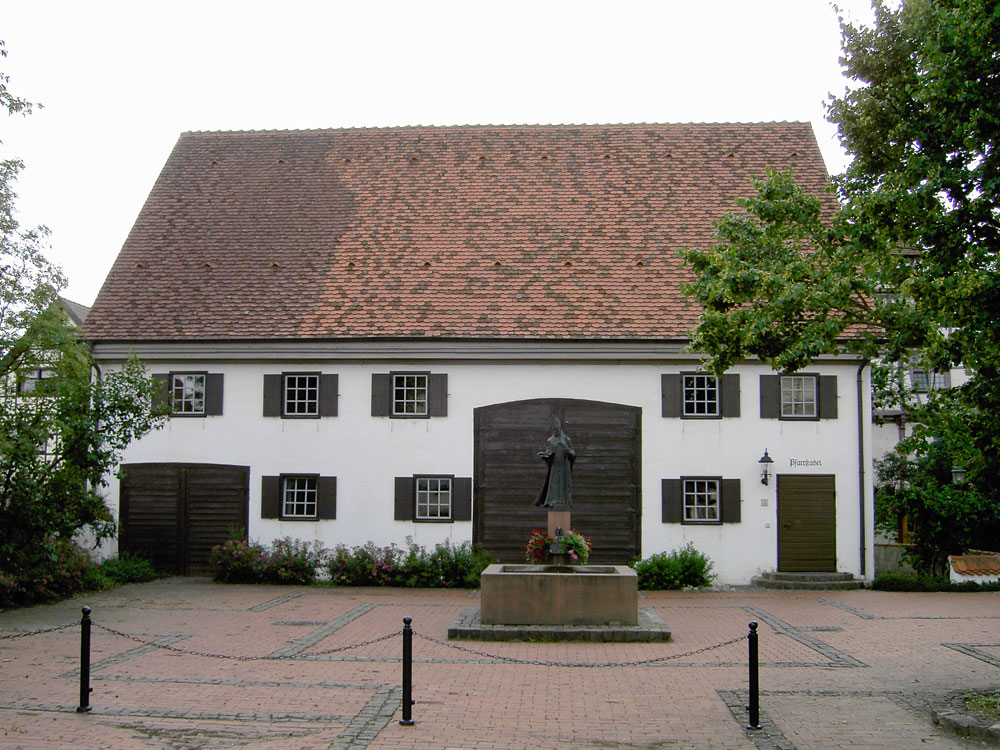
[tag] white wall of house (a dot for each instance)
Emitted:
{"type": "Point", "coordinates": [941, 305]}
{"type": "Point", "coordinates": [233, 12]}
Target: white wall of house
{"type": "Point", "coordinates": [365, 453]}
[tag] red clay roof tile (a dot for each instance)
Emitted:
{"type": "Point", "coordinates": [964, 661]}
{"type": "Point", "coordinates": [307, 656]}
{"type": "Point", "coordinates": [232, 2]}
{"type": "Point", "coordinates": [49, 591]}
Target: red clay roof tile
{"type": "Point", "coordinates": [976, 565]}
{"type": "Point", "coordinates": [541, 232]}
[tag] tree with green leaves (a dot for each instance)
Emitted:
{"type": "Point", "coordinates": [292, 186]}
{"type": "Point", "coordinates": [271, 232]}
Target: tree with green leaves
{"type": "Point", "coordinates": [906, 272]}
{"type": "Point", "coordinates": [61, 428]}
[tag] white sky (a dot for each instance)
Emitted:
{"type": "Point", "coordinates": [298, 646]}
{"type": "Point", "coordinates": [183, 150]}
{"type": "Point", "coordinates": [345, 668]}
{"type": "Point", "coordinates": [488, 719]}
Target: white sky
{"type": "Point", "coordinates": [120, 81]}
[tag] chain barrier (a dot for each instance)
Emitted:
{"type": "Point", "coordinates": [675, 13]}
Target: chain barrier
{"type": "Point", "coordinates": [86, 623]}
{"type": "Point", "coordinates": [541, 663]}
{"type": "Point", "coordinates": [191, 652]}
{"type": "Point", "coordinates": [39, 632]}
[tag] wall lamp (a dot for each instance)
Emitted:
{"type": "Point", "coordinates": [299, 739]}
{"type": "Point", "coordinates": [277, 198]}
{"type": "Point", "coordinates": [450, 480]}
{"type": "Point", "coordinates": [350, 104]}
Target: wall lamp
{"type": "Point", "coordinates": [959, 474]}
{"type": "Point", "coordinates": [765, 462]}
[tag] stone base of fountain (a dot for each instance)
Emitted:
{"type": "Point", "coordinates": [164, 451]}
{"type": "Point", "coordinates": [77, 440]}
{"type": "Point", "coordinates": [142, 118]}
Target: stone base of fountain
{"type": "Point", "coordinates": [559, 595]}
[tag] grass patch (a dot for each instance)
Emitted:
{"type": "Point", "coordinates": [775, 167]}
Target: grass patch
{"type": "Point", "coordinates": [985, 706]}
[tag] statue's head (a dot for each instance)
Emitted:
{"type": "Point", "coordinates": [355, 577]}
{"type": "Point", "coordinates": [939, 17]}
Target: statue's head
{"type": "Point", "coordinates": [556, 425]}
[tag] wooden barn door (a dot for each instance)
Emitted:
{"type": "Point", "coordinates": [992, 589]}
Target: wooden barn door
{"type": "Point", "coordinates": [807, 523]}
{"type": "Point", "coordinates": [175, 513]}
{"type": "Point", "coordinates": [606, 477]}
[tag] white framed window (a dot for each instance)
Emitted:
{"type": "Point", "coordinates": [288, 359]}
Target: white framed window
{"type": "Point", "coordinates": [925, 381]}
{"type": "Point", "coordinates": [299, 497]}
{"type": "Point", "coordinates": [433, 498]}
{"type": "Point", "coordinates": [798, 397]}
{"type": "Point", "coordinates": [701, 395]}
{"type": "Point", "coordinates": [701, 501]}
{"type": "Point", "coordinates": [300, 395]}
{"type": "Point", "coordinates": [34, 377]}
{"type": "Point", "coordinates": [409, 394]}
{"type": "Point", "coordinates": [187, 393]}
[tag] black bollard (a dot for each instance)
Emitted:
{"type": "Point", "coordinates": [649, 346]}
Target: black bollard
{"type": "Point", "coordinates": [754, 706]}
{"type": "Point", "coordinates": [84, 706]}
{"type": "Point", "coordinates": [407, 719]}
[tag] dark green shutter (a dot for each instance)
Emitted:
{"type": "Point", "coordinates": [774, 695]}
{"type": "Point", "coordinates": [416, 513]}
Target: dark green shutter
{"type": "Point", "coordinates": [403, 499]}
{"type": "Point", "coordinates": [673, 500]}
{"type": "Point", "coordinates": [213, 394]}
{"type": "Point", "coordinates": [272, 395]}
{"type": "Point", "coordinates": [730, 406]}
{"type": "Point", "coordinates": [270, 497]}
{"type": "Point", "coordinates": [671, 398]}
{"type": "Point", "coordinates": [161, 390]}
{"type": "Point", "coordinates": [461, 499]}
{"type": "Point", "coordinates": [437, 395]}
{"type": "Point", "coordinates": [827, 387]}
{"type": "Point", "coordinates": [381, 395]}
{"type": "Point", "coordinates": [770, 396]}
{"type": "Point", "coordinates": [328, 395]}
{"type": "Point", "coordinates": [326, 497]}
{"type": "Point", "coordinates": [730, 500]}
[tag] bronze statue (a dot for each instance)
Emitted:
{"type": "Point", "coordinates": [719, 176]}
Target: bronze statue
{"type": "Point", "coordinates": [558, 453]}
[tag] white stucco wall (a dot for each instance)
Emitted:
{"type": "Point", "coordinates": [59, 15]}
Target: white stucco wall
{"type": "Point", "coordinates": [365, 453]}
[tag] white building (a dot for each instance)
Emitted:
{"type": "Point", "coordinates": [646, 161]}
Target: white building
{"type": "Point", "coordinates": [365, 333]}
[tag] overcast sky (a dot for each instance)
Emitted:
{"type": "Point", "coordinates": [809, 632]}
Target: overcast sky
{"type": "Point", "coordinates": [120, 81]}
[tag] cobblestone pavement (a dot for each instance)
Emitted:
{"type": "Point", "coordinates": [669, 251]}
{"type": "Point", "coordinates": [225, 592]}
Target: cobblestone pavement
{"type": "Point", "coordinates": [854, 669]}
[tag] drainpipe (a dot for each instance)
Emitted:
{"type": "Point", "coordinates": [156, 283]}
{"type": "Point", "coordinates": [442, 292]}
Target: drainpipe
{"type": "Point", "coordinates": [862, 490]}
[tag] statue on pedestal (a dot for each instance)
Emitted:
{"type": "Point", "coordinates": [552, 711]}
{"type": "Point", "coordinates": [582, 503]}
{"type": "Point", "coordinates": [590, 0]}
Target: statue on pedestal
{"type": "Point", "coordinates": [556, 493]}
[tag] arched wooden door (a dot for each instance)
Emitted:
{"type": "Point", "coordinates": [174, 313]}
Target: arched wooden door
{"type": "Point", "coordinates": [606, 477]}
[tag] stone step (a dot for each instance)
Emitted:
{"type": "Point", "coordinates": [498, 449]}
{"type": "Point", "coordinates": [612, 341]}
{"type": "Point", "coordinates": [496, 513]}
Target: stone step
{"type": "Point", "coordinates": [778, 575]}
{"type": "Point", "coordinates": [807, 581]}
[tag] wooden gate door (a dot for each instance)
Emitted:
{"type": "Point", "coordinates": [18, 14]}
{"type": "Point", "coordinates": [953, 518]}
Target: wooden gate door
{"type": "Point", "coordinates": [174, 514]}
{"type": "Point", "coordinates": [807, 523]}
{"type": "Point", "coordinates": [606, 475]}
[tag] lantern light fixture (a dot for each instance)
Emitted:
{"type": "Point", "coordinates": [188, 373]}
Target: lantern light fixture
{"type": "Point", "coordinates": [765, 462]}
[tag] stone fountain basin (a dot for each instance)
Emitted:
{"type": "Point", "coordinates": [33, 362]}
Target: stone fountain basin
{"type": "Point", "coordinates": [559, 595]}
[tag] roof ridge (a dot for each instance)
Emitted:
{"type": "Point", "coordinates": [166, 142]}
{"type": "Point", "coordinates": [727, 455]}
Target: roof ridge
{"type": "Point", "coordinates": [486, 126]}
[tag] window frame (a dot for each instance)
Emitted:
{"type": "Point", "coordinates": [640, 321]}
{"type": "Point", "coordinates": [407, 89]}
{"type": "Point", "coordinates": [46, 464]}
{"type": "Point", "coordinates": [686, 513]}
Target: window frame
{"type": "Point", "coordinates": [417, 479]}
{"type": "Point", "coordinates": [684, 392]}
{"type": "Point", "coordinates": [394, 413]}
{"type": "Point", "coordinates": [815, 416]}
{"type": "Point", "coordinates": [316, 412]}
{"type": "Point", "coordinates": [727, 396]}
{"type": "Point", "coordinates": [203, 374]}
{"type": "Point", "coordinates": [672, 500]}
{"type": "Point", "coordinates": [717, 521]}
{"type": "Point", "coordinates": [30, 380]}
{"type": "Point", "coordinates": [931, 380]}
{"type": "Point", "coordinates": [282, 498]}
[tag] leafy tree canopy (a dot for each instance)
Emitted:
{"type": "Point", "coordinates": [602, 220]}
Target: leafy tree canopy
{"type": "Point", "coordinates": [906, 272]}
{"type": "Point", "coordinates": [61, 431]}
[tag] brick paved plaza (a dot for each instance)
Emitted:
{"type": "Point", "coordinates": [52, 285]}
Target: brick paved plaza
{"type": "Point", "coordinates": [847, 669]}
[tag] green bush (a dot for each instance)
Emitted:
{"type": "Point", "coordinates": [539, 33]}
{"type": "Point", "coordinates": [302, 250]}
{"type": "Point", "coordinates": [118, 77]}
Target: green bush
{"type": "Point", "coordinates": [418, 569]}
{"type": "Point", "coordinates": [459, 567]}
{"type": "Point", "coordinates": [291, 561]}
{"type": "Point", "coordinates": [128, 568]}
{"type": "Point", "coordinates": [61, 570]}
{"type": "Point", "coordinates": [238, 561]}
{"type": "Point", "coordinates": [679, 569]}
{"type": "Point", "coordinates": [446, 566]}
{"type": "Point", "coordinates": [367, 565]}
{"type": "Point", "coordinates": [919, 582]}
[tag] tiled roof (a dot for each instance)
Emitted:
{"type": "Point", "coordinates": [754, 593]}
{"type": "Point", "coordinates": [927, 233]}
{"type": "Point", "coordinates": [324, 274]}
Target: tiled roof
{"type": "Point", "coordinates": [77, 313]}
{"type": "Point", "coordinates": [528, 232]}
{"type": "Point", "coordinates": [976, 565]}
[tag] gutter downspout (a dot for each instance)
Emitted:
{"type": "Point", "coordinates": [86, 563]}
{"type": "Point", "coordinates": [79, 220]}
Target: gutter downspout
{"type": "Point", "coordinates": [862, 489]}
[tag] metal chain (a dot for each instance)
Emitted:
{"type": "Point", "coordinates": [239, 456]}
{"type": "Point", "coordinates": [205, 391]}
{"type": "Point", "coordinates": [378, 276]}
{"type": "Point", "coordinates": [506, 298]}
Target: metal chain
{"type": "Point", "coordinates": [38, 632]}
{"type": "Point", "coordinates": [636, 663]}
{"type": "Point", "coordinates": [190, 652]}
{"type": "Point", "coordinates": [385, 637]}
